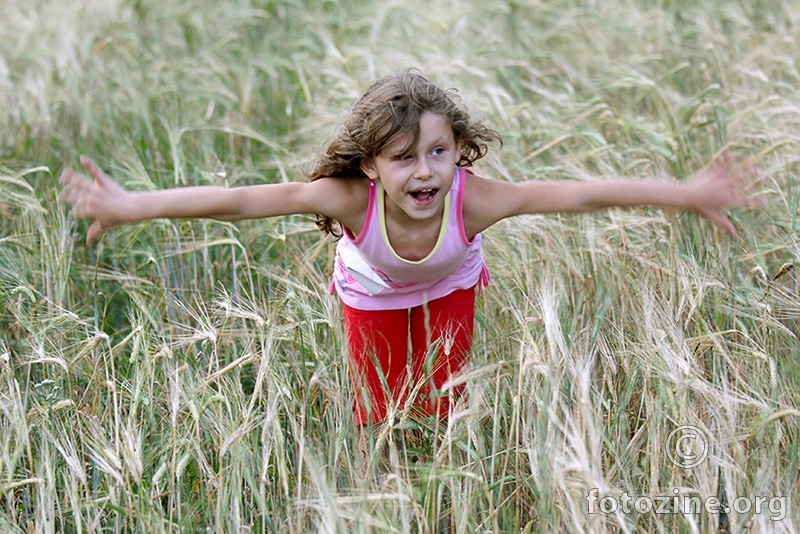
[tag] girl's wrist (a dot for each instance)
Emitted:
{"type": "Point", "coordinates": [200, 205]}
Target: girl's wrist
{"type": "Point", "coordinates": [134, 207]}
{"type": "Point", "coordinates": [691, 197]}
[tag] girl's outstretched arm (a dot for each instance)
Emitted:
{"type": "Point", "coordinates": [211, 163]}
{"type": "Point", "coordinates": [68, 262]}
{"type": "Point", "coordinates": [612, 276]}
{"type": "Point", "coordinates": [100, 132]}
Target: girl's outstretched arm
{"type": "Point", "coordinates": [104, 202]}
{"type": "Point", "coordinates": [728, 183]}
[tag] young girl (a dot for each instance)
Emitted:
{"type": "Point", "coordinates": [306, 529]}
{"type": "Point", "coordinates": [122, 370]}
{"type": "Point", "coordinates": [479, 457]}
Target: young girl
{"type": "Point", "coordinates": [394, 186]}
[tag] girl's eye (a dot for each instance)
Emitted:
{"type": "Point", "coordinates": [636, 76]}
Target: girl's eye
{"type": "Point", "coordinates": [438, 151]}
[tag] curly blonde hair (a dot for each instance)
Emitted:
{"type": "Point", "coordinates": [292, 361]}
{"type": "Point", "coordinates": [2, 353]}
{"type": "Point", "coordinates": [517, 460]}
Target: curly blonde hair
{"type": "Point", "coordinates": [390, 111]}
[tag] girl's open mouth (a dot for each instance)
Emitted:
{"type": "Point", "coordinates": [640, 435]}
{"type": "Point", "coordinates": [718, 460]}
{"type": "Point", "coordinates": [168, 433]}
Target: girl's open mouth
{"type": "Point", "coordinates": [424, 195]}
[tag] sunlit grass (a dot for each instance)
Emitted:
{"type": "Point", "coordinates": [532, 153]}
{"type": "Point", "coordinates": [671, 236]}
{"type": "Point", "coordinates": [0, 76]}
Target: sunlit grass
{"type": "Point", "coordinates": [191, 375]}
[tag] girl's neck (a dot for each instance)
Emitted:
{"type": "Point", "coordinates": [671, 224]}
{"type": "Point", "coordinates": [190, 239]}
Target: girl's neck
{"type": "Point", "coordinates": [411, 239]}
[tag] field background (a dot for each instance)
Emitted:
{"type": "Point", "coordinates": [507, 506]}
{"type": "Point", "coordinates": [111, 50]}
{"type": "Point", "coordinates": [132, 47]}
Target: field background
{"type": "Point", "coordinates": [190, 376]}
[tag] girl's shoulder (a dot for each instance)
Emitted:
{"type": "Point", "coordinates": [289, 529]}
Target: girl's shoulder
{"type": "Point", "coordinates": [345, 199]}
{"type": "Point", "coordinates": [486, 201]}
{"type": "Point", "coordinates": [475, 190]}
{"type": "Point", "coordinates": [354, 190]}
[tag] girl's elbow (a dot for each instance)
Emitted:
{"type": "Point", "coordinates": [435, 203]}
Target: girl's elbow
{"type": "Point", "coordinates": [582, 199]}
{"type": "Point", "coordinates": [238, 206]}
{"type": "Point", "coordinates": [588, 203]}
{"type": "Point", "coordinates": [227, 217]}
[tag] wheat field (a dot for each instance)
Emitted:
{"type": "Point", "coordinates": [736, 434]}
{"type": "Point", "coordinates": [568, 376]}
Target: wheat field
{"type": "Point", "coordinates": [191, 376]}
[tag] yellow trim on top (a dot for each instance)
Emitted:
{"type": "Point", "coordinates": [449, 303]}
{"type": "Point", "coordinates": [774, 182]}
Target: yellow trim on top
{"type": "Point", "coordinates": [385, 233]}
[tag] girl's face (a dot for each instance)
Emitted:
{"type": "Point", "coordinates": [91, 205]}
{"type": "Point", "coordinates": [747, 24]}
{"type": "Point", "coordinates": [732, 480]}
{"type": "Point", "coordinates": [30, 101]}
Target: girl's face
{"type": "Point", "coordinates": [416, 181]}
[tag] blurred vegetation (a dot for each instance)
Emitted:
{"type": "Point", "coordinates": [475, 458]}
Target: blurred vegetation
{"type": "Point", "coordinates": [191, 375]}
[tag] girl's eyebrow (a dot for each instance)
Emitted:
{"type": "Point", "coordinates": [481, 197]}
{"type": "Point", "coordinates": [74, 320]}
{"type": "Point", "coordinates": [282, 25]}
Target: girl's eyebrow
{"type": "Point", "coordinates": [396, 151]}
{"type": "Point", "coordinates": [443, 139]}
{"type": "Point", "coordinates": [404, 151]}
{"type": "Point", "coordinates": [399, 152]}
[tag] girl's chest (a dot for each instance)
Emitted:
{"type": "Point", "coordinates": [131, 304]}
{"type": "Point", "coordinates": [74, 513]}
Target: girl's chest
{"type": "Point", "coordinates": [416, 243]}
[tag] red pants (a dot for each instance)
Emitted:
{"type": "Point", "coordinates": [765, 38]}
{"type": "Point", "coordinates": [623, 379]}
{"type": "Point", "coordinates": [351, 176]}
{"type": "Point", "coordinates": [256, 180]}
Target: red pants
{"type": "Point", "coordinates": [402, 356]}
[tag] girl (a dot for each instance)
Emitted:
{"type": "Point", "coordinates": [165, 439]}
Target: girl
{"type": "Point", "coordinates": [394, 187]}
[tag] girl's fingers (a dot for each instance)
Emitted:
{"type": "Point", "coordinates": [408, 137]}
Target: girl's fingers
{"type": "Point", "coordinates": [77, 209]}
{"type": "Point", "coordinates": [744, 179]}
{"type": "Point", "coordinates": [756, 179]}
{"type": "Point", "coordinates": [70, 178]}
{"type": "Point", "coordinates": [65, 196]}
{"type": "Point", "coordinates": [65, 176]}
{"type": "Point", "coordinates": [69, 195]}
{"type": "Point", "coordinates": [89, 165]}
{"type": "Point", "coordinates": [722, 220]}
{"type": "Point", "coordinates": [95, 231]}
{"type": "Point", "coordinates": [78, 190]}
{"type": "Point", "coordinates": [74, 191]}
{"type": "Point", "coordinates": [755, 203]}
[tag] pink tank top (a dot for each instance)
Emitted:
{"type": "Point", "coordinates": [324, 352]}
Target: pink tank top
{"type": "Point", "coordinates": [369, 275]}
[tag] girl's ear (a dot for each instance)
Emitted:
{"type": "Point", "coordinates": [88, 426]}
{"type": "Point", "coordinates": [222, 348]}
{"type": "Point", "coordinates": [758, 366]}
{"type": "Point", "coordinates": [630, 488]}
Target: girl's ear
{"type": "Point", "coordinates": [368, 166]}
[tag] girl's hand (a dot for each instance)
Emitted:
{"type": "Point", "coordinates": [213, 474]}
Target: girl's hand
{"type": "Point", "coordinates": [729, 183]}
{"type": "Point", "coordinates": [99, 199]}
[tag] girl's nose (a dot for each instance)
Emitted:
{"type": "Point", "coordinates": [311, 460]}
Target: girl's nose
{"type": "Point", "coordinates": [423, 170]}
